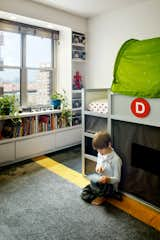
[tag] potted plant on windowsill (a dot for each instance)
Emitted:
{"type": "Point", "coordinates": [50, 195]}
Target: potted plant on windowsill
{"type": "Point", "coordinates": [56, 100]}
{"type": "Point", "coordinates": [8, 105]}
{"type": "Point", "coordinates": [66, 117]}
{"type": "Point", "coordinates": [66, 112]}
{"type": "Point", "coordinates": [59, 101]}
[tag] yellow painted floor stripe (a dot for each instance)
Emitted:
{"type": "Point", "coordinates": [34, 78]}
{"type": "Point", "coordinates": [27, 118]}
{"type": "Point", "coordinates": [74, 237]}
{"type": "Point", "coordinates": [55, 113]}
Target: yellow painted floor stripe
{"type": "Point", "coordinates": [63, 171]}
{"type": "Point", "coordinates": [131, 206]}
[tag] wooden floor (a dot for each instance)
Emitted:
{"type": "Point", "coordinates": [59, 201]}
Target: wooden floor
{"type": "Point", "coordinates": [138, 210]}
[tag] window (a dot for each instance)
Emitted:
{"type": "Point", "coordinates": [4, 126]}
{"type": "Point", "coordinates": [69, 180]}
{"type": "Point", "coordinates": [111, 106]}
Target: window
{"type": "Point", "coordinates": [38, 52]}
{"type": "Point", "coordinates": [26, 62]}
{"type": "Point", "coordinates": [39, 69]}
{"type": "Point", "coordinates": [10, 62]}
{"type": "Point", "coordinates": [38, 86]}
{"type": "Point", "coordinates": [10, 48]}
{"type": "Point", "coordinates": [10, 81]}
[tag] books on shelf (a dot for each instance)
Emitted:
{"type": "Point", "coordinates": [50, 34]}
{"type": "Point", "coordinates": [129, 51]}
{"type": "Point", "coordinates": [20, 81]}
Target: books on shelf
{"type": "Point", "coordinates": [44, 123]}
{"type": "Point", "coordinates": [28, 125]}
{"type": "Point", "coordinates": [12, 128]}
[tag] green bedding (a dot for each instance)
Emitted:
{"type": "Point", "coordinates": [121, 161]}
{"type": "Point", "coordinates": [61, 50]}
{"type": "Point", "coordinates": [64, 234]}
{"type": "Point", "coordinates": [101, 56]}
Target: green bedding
{"type": "Point", "coordinates": [137, 69]}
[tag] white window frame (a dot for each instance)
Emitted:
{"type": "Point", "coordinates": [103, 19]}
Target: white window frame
{"type": "Point", "coordinates": [23, 68]}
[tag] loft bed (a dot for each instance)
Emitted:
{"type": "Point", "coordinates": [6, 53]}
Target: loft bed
{"type": "Point", "coordinates": [136, 135]}
{"type": "Point", "coordinates": [135, 139]}
{"type": "Point", "coordinates": [129, 136]}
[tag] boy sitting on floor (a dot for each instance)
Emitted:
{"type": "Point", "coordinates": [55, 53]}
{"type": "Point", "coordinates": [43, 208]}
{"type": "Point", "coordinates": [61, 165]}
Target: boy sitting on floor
{"type": "Point", "coordinates": [108, 171]}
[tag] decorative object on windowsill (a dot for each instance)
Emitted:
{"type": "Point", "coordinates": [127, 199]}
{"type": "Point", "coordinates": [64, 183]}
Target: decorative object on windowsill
{"type": "Point", "coordinates": [26, 109]}
{"type": "Point", "coordinates": [77, 81]}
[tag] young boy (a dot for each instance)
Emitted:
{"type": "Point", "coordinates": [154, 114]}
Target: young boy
{"type": "Point", "coordinates": [108, 169]}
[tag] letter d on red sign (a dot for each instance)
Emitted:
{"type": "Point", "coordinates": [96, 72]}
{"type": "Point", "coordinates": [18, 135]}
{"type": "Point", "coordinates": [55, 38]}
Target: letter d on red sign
{"type": "Point", "coordinates": [140, 107]}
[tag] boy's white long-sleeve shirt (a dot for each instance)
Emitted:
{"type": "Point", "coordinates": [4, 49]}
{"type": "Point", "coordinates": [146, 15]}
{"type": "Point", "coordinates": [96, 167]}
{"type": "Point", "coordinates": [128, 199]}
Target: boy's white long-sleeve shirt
{"type": "Point", "coordinates": [111, 163]}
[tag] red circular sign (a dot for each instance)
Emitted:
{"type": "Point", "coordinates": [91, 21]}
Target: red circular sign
{"type": "Point", "coordinates": [140, 107]}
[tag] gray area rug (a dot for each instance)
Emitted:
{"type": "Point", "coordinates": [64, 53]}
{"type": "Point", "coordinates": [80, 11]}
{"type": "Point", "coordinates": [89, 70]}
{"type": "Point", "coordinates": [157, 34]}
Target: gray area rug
{"type": "Point", "coordinates": [39, 205]}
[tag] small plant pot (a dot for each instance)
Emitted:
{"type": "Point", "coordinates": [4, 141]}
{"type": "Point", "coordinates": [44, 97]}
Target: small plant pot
{"type": "Point", "coordinates": [56, 103]}
{"type": "Point", "coordinates": [5, 110]}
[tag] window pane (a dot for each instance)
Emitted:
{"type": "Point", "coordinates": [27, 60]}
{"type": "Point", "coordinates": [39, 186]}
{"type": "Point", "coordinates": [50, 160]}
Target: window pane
{"type": "Point", "coordinates": [38, 51]}
{"type": "Point", "coordinates": [10, 81]}
{"type": "Point", "coordinates": [10, 48]}
{"type": "Point", "coordinates": [38, 87]}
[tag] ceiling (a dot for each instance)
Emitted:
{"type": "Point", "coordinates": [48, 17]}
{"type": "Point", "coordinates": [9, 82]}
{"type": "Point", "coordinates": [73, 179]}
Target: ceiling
{"type": "Point", "coordinates": [88, 8]}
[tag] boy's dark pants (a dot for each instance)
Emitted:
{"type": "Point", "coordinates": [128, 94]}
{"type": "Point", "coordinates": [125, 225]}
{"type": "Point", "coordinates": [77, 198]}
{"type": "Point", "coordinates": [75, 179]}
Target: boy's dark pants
{"type": "Point", "coordinates": [94, 190]}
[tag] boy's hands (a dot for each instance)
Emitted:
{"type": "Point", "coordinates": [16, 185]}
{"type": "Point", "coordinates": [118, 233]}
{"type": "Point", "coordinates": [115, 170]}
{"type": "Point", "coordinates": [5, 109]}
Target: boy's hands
{"type": "Point", "coordinates": [99, 169]}
{"type": "Point", "coordinates": [104, 179]}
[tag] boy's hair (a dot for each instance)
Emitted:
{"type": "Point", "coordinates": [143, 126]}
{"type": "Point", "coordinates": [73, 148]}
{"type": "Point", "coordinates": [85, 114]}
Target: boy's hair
{"type": "Point", "coordinates": [101, 140]}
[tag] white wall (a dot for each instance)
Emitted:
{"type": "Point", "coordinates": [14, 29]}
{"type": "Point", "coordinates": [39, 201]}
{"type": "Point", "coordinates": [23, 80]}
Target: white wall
{"type": "Point", "coordinates": [106, 33]}
{"type": "Point", "coordinates": [34, 10]}
{"type": "Point", "coordinates": [64, 66]}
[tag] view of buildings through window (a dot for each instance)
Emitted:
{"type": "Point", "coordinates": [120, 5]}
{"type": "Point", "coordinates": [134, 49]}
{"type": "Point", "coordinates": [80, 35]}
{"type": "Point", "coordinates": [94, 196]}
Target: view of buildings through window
{"type": "Point", "coordinates": [36, 68]}
{"type": "Point", "coordinates": [10, 62]}
{"type": "Point", "coordinates": [38, 60]}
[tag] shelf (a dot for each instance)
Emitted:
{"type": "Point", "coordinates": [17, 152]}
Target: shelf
{"type": "Point", "coordinates": [78, 50]}
{"type": "Point", "coordinates": [78, 45]}
{"type": "Point", "coordinates": [36, 113]}
{"type": "Point", "coordinates": [77, 126]}
{"type": "Point", "coordinates": [32, 125]}
{"type": "Point", "coordinates": [67, 128]}
{"type": "Point", "coordinates": [35, 135]}
{"type": "Point", "coordinates": [77, 90]}
{"type": "Point", "coordinates": [90, 157]}
{"type": "Point", "coordinates": [30, 114]}
{"type": "Point", "coordinates": [95, 90]}
{"type": "Point", "coordinates": [7, 140]}
{"type": "Point", "coordinates": [90, 135]}
{"type": "Point", "coordinates": [21, 148]}
{"type": "Point", "coordinates": [78, 60]}
{"type": "Point", "coordinates": [76, 109]}
{"type": "Point", "coordinates": [78, 39]}
{"type": "Point", "coordinates": [75, 99]}
{"type": "Point", "coordinates": [95, 114]}
{"type": "Point", "coordinates": [6, 117]}
{"type": "Point", "coordinates": [92, 122]}
{"type": "Point", "coordinates": [78, 75]}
